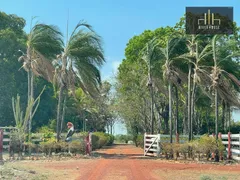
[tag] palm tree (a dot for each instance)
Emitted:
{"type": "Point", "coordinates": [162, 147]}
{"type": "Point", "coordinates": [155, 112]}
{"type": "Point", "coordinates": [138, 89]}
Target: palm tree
{"type": "Point", "coordinates": [149, 55]}
{"type": "Point", "coordinates": [43, 44]}
{"type": "Point", "coordinates": [78, 66]}
{"type": "Point", "coordinates": [170, 73]}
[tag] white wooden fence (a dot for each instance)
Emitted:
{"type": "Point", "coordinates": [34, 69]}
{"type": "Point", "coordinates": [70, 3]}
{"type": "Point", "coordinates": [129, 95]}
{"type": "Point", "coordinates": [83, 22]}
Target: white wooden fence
{"type": "Point", "coordinates": [152, 143]}
{"type": "Point", "coordinates": [232, 144]}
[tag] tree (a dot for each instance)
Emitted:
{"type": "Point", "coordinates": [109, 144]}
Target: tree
{"type": "Point", "coordinates": [43, 43]}
{"type": "Point", "coordinates": [78, 66]}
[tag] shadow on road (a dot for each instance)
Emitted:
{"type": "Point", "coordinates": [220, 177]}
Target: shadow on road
{"type": "Point", "coordinates": [121, 151]}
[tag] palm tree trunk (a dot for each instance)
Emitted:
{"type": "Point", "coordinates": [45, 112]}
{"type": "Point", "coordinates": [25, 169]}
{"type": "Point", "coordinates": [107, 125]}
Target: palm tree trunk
{"type": "Point", "coordinates": [229, 118]}
{"type": "Point", "coordinates": [59, 111]}
{"type": "Point", "coordinates": [63, 112]}
{"type": "Point", "coordinates": [216, 112]}
{"type": "Point", "coordinates": [192, 109]}
{"type": "Point", "coordinates": [152, 106]}
{"type": "Point", "coordinates": [189, 101]}
{"type": "Point", "coordinates": [170, 108]}
{"type": "Point", "coordinates": [29, 97]}
{"type": "Point", "coordinates": [32, 99]}
{"type": "Point", "coordinates": [177, 113]}
{"type": "Point", "coordinates": [216, 122]}
{"type": "Point", "coordinates": [223, 116]}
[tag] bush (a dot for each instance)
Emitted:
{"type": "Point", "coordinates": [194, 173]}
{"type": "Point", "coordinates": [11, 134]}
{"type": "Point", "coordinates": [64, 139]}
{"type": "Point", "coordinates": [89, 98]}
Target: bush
{"type": "Point", "coordinates": [103, 139]}
{"type": "Point", "coordinates": [48, 147]}
{"type": "Point", "coordinates": [95, 143]}
{"type": "Point", "coordinates": [110, 139]}
{"type": "Point", "coordinates": [47, 133]}
{"type": "Point", "coordinates": [167, 149]}
{"type": "Point", "coordinates": [77, 147]}
{"type": "Point", "coordinates": [100, 139]}
{"type": "Point", "coordinates": [139, 141]}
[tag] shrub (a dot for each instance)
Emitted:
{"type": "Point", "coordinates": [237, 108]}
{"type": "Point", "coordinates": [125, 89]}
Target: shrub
{"type": "Point", "coordinates": [139, 141]}
{"type": "Point", "coordinates": [103, 139]}
{"type": "Point", "coordinates": [183, 149]}
{"type": "Point", "coordinates": [47, 133]}
{"type": "Point", "coordinates": [77, 147]}
{"type": "Point", "coordinates": [48, 146]}
{"type": "Point", "coordinates": [167, 149]}
{"type": "Point", "coordinates": [110, 140]}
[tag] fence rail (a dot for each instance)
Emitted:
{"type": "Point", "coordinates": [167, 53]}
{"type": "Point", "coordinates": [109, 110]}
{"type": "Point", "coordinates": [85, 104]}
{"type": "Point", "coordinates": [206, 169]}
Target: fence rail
{"type": "Point", "coordinates": [152, 143]}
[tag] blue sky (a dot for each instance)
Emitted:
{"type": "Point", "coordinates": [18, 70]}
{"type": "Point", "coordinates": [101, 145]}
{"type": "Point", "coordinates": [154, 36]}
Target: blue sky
{"type": "Point", "coordinates": [115, 20]}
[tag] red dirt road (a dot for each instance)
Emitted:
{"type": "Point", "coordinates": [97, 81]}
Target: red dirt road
{"type": "Point", "coordinates": [126, 162]}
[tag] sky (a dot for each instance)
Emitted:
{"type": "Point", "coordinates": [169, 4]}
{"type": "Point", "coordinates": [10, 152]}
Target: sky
{"type": "Point", "coordinates": [116, 21]}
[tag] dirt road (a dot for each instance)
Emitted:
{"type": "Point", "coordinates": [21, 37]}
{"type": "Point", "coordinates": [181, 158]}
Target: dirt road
{"type": "Point", "coordinates": [125, 162]}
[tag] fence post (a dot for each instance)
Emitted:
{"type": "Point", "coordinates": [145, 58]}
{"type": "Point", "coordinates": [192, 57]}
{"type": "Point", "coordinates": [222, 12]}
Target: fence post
{"type": "Point", "coordinates": [144, 143]}
{"type": "Point", "coordinates": [177, 138]}
{"type": "Point", "coordinates": [229, 146]}
{"type": "Point", "coordinates": [239, 144]}
{"type": "Point", "coordinates": [158, 145]}
{"type": "Point", "coordinates": [220, 138]}
{"type": "Point", "coordinates": [1, 144]}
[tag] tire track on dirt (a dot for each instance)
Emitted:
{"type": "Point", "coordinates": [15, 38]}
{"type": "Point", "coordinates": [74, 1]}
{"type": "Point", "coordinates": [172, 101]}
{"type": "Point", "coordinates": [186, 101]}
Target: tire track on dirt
{"type": "Point", "coordinates": [97, 172]}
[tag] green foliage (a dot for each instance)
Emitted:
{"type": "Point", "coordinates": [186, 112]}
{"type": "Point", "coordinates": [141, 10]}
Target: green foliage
{"type": "Point", "coordinates": [100, 139]}
{"type": "Point", "coordinates": [123, 138]}
{"type": "Point", "coordinates": [47, 133]}
{"type": "Point", "coordinates": [77, 147]}
{"type": "Point", "coordinates": [140, 141]}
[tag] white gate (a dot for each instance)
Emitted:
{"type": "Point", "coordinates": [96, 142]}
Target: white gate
{"type": "Point", "coordinates": [151, 145]}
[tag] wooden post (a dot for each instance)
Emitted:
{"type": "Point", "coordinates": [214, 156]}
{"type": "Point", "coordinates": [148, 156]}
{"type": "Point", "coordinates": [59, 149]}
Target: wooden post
{"type": "Point", "coordinates": [158, 145]}
{"type": "Point", "coordinates": [177, 138]}
{"type": "Point", "coordinates": [1, 144]}
{"type": "Point", "coordinates": [144, 143]}
{"type": "Point", "coordinates": [220, 138]}
{"type": "Point", "coordinates": [229, 146]}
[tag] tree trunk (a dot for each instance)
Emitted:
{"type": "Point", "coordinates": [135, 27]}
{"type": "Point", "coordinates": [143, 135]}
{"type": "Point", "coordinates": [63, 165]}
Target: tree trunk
{"type": "Point", "coordinates": [63, 112]}
{"type": "Point", "coordinates": [189, 101]}
{"type": "Point", "coordinates": [29, 98]}
{"type": "Point", "coordinates": [223, 116]}
{"type": "Point", "coordinates": [192, 109]}
{"type": "Point", "coordinates": [216, 113]}
{"type": "Point", "coordinates": [177, 113]}
{"type": "Point", "coordinates": [216, 123]}
{"type": "Point", "coordinates": [170, 109]}
{"type": "Point", "coordinates": [59, 111]}
{"type": "Point", "coordinates": [185, 119]}
{"type": "Point", "coordinates": [152, 120]}
{"type": "Point", "coordinates": [32, 99]}
{"type": "Point", "coordinates": [229, 118]}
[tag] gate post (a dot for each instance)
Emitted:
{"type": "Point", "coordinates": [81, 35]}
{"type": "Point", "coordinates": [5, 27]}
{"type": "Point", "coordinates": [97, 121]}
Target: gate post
{"type": "Point", "coordinates": [220, 138]}
{"type": "Point", "coordinates": [158, 145]}
{"type": "Point", "coordinates": [1, 144]}
{"type": "Point", "coordinates": [229, 146]}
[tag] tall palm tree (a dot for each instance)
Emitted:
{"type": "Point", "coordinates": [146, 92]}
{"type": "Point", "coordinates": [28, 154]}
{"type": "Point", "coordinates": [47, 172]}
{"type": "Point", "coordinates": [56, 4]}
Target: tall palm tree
{"type": "Point", "coordinates": [78, 65]}
{"type": "Point", "coordinates": [43, 43]}
{"type": "Point", "coordinates": [149, 55]}
{"type": "Point", "coordinates": [170, 73]}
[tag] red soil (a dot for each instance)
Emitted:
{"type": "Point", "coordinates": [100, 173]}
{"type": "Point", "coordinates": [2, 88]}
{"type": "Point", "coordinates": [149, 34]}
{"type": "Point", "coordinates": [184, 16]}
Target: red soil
{"type": "Point", "coordinates": [122, 162]}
